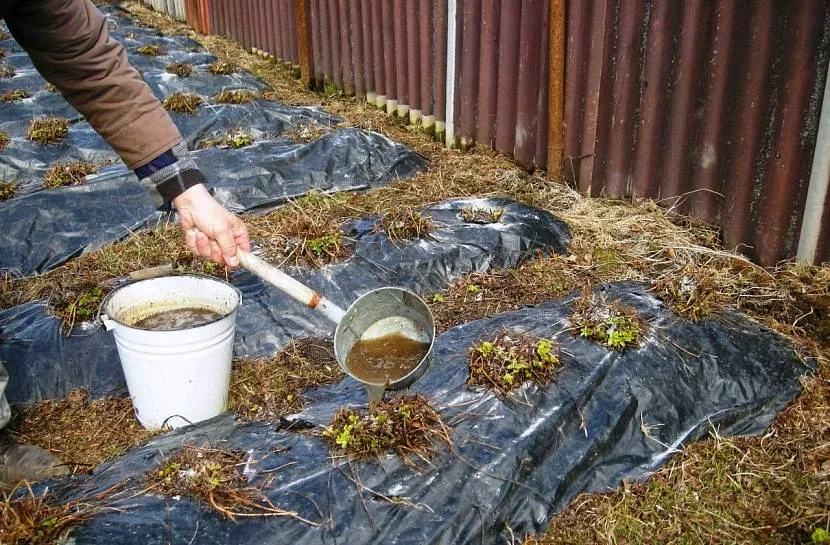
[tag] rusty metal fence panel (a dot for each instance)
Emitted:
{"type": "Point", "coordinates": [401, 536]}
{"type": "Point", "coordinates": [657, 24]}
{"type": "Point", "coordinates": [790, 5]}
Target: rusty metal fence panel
{"type": "Point", "coordinates": [712, 106]}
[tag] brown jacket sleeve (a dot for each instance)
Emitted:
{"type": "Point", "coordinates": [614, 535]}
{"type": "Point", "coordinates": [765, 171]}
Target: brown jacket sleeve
{"type": "Point", "coordinates": [69, 43]}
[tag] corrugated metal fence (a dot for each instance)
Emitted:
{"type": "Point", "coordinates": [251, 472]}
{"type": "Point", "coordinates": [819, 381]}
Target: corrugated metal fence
{"type": "Point", "coordinates": [709, 105]}
{"type": "Point", "coordinates": [718, 101]}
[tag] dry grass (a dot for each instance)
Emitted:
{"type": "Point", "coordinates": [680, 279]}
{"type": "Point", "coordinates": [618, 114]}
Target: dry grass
{"type": "Point", "coordinates": [151, 51]}
{"type": "Point", "coordinates": [7, 189]}
{"type": "Point", "coordinates": [234, 96]}
{"type": "Point", "coordinates": [303, 233]}
{"type": "Point", "coordinates": [215, 477]}
{"type": "Point", "coordinates": [510, 359]}
{"type": "Point", "coordinates": [182, 103]}
{"type": "Point", "coordinates": [475, 296]}
{"type": "Point", "coordinates": [4, 140]}
{"type": "Point", "coordinates": [406, 425]}
{"type": "Point", "coordinates": [48, 130]}
{"type": "Point", "coordinates": [66, 174]}
{"type": "Point", "coordinates": [31, 519]}
{"type": "Point", "coordinates": [181, 69]}
{"type": "Point", "coordinates": [691, 293]}
{"type": "Point", "coordinates": [405, 223]}
{"type": "Point", "coordinates": [50, 88]}
{"type": "Point", "coordinates": [15, 95]}
{"type": "Point", "coordinates": [222, 68]}
{"type": "Point", "coordinates": [306, 132]}
{"type": "Point", "coordinates": [6, 71]}
{"type": "Point", "coordinates": [266, 389]}
{"type": "Point", "coordinates": [80, 431]}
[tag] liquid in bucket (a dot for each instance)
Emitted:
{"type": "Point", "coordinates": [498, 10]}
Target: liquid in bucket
{"type": "Point", "coordinates": [177, 318]}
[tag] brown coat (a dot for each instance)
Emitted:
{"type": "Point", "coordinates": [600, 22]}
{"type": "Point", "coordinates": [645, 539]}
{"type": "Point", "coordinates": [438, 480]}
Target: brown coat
{"type": "Point", "coordinates": [69, 44]}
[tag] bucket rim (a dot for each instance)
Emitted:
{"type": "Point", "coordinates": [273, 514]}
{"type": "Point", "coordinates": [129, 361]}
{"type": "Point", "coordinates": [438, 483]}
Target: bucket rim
{"type": "Point", "coordinates": [102, 307]}
{"type": "Point", "coordinates": [419, 369]}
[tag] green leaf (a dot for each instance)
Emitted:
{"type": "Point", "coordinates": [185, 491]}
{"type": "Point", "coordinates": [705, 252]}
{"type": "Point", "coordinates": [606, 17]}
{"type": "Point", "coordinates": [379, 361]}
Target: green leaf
{"type": "Point", "coordinates": [438, 298]}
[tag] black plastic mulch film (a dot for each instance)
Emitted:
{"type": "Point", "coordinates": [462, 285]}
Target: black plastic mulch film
{"type": "Point", "coordinates": [609, 416]}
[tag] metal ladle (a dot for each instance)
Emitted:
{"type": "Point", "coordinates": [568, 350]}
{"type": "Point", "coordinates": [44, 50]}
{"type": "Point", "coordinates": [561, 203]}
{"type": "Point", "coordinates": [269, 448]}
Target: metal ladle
{"type": "Point", "coordinates": [378, 313]}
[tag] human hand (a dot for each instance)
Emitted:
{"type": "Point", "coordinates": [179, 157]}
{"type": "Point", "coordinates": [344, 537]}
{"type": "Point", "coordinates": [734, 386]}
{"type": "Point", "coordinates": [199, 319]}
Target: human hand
{"type": "Point", "coordinates": [211, 231]}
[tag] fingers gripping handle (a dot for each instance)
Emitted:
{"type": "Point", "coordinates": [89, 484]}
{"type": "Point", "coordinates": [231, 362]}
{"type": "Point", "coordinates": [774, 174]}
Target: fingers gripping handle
{"type": "Point", "coordinates": [290, 286]}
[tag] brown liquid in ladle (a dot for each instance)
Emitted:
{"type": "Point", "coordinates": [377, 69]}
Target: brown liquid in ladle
{"type": "Point", "coordinates": [385, 359]}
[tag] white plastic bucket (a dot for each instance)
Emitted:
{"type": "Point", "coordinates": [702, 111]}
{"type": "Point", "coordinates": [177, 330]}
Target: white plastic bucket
{"type": "Point", "coordinates": [175, 377]}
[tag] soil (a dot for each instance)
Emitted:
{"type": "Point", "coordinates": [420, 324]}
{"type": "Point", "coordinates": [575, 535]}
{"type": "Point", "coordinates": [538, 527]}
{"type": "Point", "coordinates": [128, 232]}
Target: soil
{"type": "Point", "coordinates": [385, 359]}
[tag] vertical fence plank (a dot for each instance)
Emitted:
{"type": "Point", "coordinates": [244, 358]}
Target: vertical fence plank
{"type": "Point", "coordinates": [346, 62]}
{"type": "Point", "coordinates": [304, 41]}
{"type": "Point", "coordinates": [508, 79]}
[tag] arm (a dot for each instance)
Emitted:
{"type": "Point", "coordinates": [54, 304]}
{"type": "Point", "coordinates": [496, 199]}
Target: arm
{"type": "Point", "coordinates": [70, 46]}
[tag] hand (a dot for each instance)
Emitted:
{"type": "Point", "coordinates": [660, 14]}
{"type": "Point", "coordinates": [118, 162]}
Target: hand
{"type": "Point", "coordinates": [211, 231]}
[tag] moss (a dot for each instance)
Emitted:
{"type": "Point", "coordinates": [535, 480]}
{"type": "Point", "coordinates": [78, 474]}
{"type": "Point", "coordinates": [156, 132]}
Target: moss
{"type": "Point", "coordinates": [405, 223]}
{"type": "Point", "coordinates": [48, 130]}
{"type": "Point", "coordinates": [406, 425]}
{"type": "Point", "coordinates": [612, 324]}
{"type": "Point", "coordinates": [7, 190]}
{"type": "Point", "coordinates": [64, 174]}
{"type": "Point", "coordinates": [234, 96]}
{"type": "Point", "coordinates": [481, 215]}
{"type": "Point", "coordinates": [509, 360]}
{"type": "Point", "coordinates": [182, 103]}
{"type": "Point", "coordinates": [15, 95]}
{"type": "Point", "coordinates": [181, 69]}
{"type": "Point", "coordinates": [221, 68]}
{"type": "Point", "coordinates": [151, 51]}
